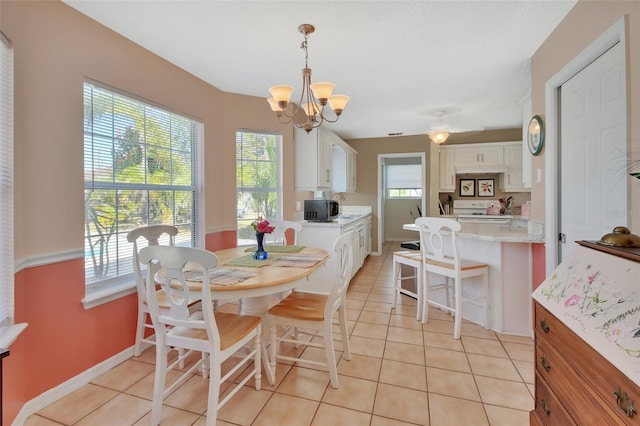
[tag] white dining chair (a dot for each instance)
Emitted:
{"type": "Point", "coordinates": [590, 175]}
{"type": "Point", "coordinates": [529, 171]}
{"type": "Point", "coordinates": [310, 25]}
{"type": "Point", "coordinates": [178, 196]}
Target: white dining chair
{"type": "Point", "coordinates": [217, 335]}
{"type": "Point", "coordinates": [152, 235]}
{"type": "Point", "coordinates": [309, 313]}
{"type": "Point", "coordinates": [279, 234]}
{"type": "Point", "coordinates": [440, 257]}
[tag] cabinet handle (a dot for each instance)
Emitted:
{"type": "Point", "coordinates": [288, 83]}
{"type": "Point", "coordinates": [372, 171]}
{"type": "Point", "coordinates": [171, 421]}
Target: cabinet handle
{"type": "Point", "coordinates": [482, 158]}
{"type": "Point", "coordinates": [545, 363]}
{"type": "Point", "coordinates": [545, 406]}
{"type": "Point", "coordinates": [625, 404]}
{"type": "Point", "coordinates": [544, 326]}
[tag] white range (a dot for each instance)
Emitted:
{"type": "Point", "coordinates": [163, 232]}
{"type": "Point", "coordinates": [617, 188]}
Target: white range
{"type": "Point", "coordinates": [475, 211]}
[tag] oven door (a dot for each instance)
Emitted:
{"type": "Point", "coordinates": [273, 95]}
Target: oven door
{"type": "Point", "coordinates": [488, 220]}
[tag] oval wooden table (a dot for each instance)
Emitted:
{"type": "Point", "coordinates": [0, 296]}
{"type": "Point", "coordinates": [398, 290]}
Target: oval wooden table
{"type": "Point", "coordinates": [271, 278]}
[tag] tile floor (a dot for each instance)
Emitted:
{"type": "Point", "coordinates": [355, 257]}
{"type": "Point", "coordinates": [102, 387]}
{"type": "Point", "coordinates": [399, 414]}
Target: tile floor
{"type": "Point", "coordinates": [401, 373]}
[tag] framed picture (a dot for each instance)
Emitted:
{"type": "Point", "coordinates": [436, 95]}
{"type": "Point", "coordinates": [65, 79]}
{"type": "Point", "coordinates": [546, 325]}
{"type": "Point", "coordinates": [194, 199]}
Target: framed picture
{"type": "Point", "coordinates": [467, 187]}
{"type": "Point", "coordinates": [485, 188]}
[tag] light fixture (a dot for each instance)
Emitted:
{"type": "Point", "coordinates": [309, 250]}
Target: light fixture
{"type": "Point", "coordinates": [313, 99]}
{"type": "Point", "coordinates": [439, 136]}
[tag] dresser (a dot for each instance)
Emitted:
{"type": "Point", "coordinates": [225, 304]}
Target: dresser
{"type": "Point", "coordinates": [587, 340]}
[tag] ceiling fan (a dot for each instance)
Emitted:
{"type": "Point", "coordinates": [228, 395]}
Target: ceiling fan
{"type": "Point", "coordinates": [440, 131]}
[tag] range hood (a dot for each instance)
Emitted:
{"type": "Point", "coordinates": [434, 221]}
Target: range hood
{"type": "Point", "coordinates": [480, 168]}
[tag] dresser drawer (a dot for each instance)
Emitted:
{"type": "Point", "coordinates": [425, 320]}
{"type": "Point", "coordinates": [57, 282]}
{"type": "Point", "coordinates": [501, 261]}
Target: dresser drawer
{"type": "Point", "coordinates": [580, 400]}
{"type": "Point", "coordinates": [597, 374]}
{"type": "Point", "coordinates": [549, 411]}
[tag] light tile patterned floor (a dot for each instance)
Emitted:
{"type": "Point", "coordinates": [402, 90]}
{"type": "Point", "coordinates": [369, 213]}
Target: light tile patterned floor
{"type": "Point", "coordinates": [401, 373]}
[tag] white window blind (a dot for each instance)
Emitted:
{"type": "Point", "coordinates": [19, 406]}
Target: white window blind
{"type": "Point", "coordinates": [258, 180]}
{"type": "Point", "coordinates": [141, 168]}
{"type": "Point", "coordinates": [404, 176]}
{"type": "Point", "coordinates": [6, 184]}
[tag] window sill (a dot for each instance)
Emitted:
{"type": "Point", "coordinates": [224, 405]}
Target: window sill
{"type": "Point", "coordinates": [9, 333]}
{"type": "Point", "coordinates": [108, 293]}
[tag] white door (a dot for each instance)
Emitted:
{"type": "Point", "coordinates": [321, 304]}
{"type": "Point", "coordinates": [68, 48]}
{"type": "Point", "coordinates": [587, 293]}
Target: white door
{"type": "Point", "coordinates": [593, 182]}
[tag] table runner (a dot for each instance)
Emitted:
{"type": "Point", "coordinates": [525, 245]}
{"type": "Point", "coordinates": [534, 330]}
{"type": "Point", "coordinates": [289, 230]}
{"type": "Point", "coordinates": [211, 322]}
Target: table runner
{"type": "Point", "coordinates": [277, 249]}
{"type": "Point", "coordinates": [222, 276]}
{"type": "Point", "coordinates": [297, 261]}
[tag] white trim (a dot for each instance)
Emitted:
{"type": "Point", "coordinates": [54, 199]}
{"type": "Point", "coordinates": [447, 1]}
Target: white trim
{"type": "Point", "coordinates": [9, 333]}
{"type": "Point", "coordinates": [107, 294]}
{"type": "Point", "coordinates": [74, 383]}
{"type": "Point", "coordinates": [48, 259]}
{"type": "Point", "coordinates": [615, 34]}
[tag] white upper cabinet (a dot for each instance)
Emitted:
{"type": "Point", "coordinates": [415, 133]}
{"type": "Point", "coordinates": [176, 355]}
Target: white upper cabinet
{"type": "Point", "coordinates": [480, 155]}
{"type": "Point", "coordinates": [512, 179]}
{"type": "Point", "coordinates": [324, 162]}
{"type": "Point", "coordinates": [314, 157]}
{"type": "Point", "coordinates": [447, 171]}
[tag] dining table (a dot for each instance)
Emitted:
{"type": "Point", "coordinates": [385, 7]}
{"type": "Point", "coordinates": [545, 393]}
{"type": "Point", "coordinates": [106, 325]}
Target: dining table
{"type": "Point", "coordinates": [240, 276]}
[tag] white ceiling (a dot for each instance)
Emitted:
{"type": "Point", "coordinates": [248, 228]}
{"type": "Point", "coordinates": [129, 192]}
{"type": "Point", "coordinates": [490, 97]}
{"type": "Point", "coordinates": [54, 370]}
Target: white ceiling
{"type": "Point", "coordinates": [399, 61]}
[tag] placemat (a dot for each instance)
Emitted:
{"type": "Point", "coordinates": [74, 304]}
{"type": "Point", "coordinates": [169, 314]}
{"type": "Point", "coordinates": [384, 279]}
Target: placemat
{"type": "Point", "coordinates": [247, 261]}
{"type": "Point", "coordinates": [222, 276]}
{"type": "Point", "coordinates": [277, 249]}
{"type": "Point", "coordinates": [297, 261]}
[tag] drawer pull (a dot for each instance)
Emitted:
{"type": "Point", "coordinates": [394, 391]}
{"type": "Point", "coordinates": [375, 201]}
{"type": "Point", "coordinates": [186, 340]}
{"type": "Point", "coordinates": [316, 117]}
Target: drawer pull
{"type": "Point", "coordinates": [625, 404]}
{"type": "Point", "coordinates": [544, 326]}
{"type": "Point", "coordinates": [545, 363]}
{"type": "Point", "coordinates": [545, 406]}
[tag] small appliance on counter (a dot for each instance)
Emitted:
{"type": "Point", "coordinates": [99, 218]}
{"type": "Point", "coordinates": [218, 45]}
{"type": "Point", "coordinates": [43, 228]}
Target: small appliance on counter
{"type": "Point", "coordinates": [321, 210]}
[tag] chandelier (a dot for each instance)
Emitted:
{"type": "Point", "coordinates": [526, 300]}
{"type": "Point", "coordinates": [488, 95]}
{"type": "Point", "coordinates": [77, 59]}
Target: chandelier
{"type": "Point", "coordinates": [313, 99]}
{"type": "Point", "coordinates": [439, 136]}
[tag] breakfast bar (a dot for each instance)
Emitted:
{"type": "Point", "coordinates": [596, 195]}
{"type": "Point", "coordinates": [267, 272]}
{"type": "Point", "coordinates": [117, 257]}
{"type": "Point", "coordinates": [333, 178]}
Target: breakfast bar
{"type": "Point", "coordinates": [507, 251]}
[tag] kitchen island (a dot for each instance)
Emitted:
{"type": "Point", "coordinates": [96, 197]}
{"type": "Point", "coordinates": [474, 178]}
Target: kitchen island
{"type": "Point", "coordinates": [507, 251]}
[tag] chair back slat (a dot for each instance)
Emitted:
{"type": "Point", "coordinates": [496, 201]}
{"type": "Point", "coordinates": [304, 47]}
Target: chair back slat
{"type": "Point", "coordinates": [279, 234]}
{"type": "Point", "coordinates": [343, 248]}
{"type": "Point", "coordinates": [181, 267]}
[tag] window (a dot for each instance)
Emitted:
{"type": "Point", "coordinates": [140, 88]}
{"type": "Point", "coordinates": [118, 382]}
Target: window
{"type": "Point", "coordinates": [258, 180]}
{"type": "Point", "coordinates": [141, 168]}
{"type": "Point", "coordinates": [7, 270]}
{"type": "Point", "coordinates": [404, 181]}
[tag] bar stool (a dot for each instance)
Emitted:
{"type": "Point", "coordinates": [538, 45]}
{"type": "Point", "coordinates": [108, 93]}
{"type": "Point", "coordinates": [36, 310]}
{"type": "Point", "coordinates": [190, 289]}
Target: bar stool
{"type": "Point", "coordinates": [452, 268]}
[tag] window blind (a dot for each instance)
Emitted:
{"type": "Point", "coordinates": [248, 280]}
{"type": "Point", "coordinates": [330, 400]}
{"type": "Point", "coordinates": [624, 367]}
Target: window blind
{"type": "Point", "coordinates": [7, 271]}
{"type": "Point", "coordinates": [404, 176]}
{"type": "Point", "coordinates": [258, 180]}
{"type": "Point", "coordinates": [141, 167]}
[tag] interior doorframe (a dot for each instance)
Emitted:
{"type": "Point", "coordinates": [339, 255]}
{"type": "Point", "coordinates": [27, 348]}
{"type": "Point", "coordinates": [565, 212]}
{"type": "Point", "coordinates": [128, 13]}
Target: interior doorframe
{"type": "Point", "coordinates": [615, 34]}
{"type": "Point", "coordinates": [381, 185]}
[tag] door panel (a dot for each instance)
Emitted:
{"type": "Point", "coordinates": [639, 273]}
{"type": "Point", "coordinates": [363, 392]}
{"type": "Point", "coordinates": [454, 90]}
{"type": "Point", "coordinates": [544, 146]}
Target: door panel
{"type": "Point", "coordinates": [593, 191]}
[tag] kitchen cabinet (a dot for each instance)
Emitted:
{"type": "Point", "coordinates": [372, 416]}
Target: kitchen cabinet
{"type": "Point", "coordinates": [313, 160]}
{"type": "Point", "coordinates": [480, 155]}
{"type": "Point", "coordinates": [585, 353]}
{"type": "Point", "coordinates": [323, 235]}
{"type": "Point", "coordinates": [447, 170]}
{"type": "Point", "coordinates": [343, 167]}
{"type": "Point", "coordinates": [512, 180]}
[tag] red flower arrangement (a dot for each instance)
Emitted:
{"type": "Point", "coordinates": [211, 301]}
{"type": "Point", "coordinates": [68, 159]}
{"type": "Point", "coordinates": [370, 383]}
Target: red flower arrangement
{"type": "Point", "coordinates": [262, 226]}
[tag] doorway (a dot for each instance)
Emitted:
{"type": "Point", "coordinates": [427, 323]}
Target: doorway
{"type": "Point", "coordinates": [576, 158]}
{"type": "Point", "coordinates": [405, 201]}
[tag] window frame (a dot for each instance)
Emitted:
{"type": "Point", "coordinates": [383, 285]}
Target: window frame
{"type": "Point", "coordinates": [122, 282]}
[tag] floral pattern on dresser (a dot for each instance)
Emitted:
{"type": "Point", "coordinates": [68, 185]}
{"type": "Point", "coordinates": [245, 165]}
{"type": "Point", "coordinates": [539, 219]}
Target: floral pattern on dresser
{"type": "Point", "coordinates": [598, 296]}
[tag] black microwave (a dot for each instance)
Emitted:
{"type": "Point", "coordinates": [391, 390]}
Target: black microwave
{"type": "Point", "coordinates": [321, 210]}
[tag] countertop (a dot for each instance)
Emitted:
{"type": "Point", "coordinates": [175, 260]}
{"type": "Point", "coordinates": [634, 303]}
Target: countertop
{"type": "Point", "coordinates": [491, 232]}
{"type": "Point", "coordinates": [349, 215]}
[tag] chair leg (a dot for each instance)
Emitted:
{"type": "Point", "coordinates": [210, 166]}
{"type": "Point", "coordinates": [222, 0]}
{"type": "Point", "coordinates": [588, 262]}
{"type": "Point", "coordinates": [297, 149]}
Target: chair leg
{"type": "Point", "coordinates": [214, 390]}
{"type": "Point", "coordinates": [485, 301]}
{"type": "Point", "coordinates": [159, 382]}
{"type": "Point", "coordinates": [425, 296]}
{"type": "Point", "coordinates": [346, 346]}
{"type": "Point", "coordinates": [457, 324]}
{"type": "Point", "coordinates": [418, 280]}
{"type": "Point", "coordinates": [396, 278]}
{"type": "Point", "coordinates": [257, 359]}
{"type": "Point", "coordinates": [142, 316]}
{"type": "Point", "coordinates": [272, 345]}
{"type": "Point", "coordinates": [330, 353]}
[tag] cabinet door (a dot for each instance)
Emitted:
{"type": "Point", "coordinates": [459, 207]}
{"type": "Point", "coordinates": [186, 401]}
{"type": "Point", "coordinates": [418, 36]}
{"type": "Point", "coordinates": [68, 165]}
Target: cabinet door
{"type": "Point", "coordinates": [447, 172]}
{"type": "Point", "coordinates": [512, 180]}
{"type": "Point", "coordinates": [351, 171]}
{"type": "Point", "coordinates": [491, 156]}
{"type": "Point", "coordinates": [473, 156]}
{"type": "Point", "coordinates": [325, 159]}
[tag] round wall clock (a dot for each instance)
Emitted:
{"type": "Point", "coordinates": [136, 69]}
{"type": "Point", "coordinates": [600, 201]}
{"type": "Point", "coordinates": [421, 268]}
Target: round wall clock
{"type": "Point", "coordinates": [535, 135]}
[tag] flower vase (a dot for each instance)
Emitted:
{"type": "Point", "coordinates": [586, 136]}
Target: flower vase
{"type": "Point", "coordinates": [260, 254]}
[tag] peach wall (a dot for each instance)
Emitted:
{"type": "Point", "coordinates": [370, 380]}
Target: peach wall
{"type": "Point", "coordinates": [586, 21]}
{"type": "Point", "coordinates": [55, 49]}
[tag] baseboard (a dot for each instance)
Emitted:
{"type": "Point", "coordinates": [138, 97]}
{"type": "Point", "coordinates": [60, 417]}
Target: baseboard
{"type": "Point", "coordinates": [74, 383]}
